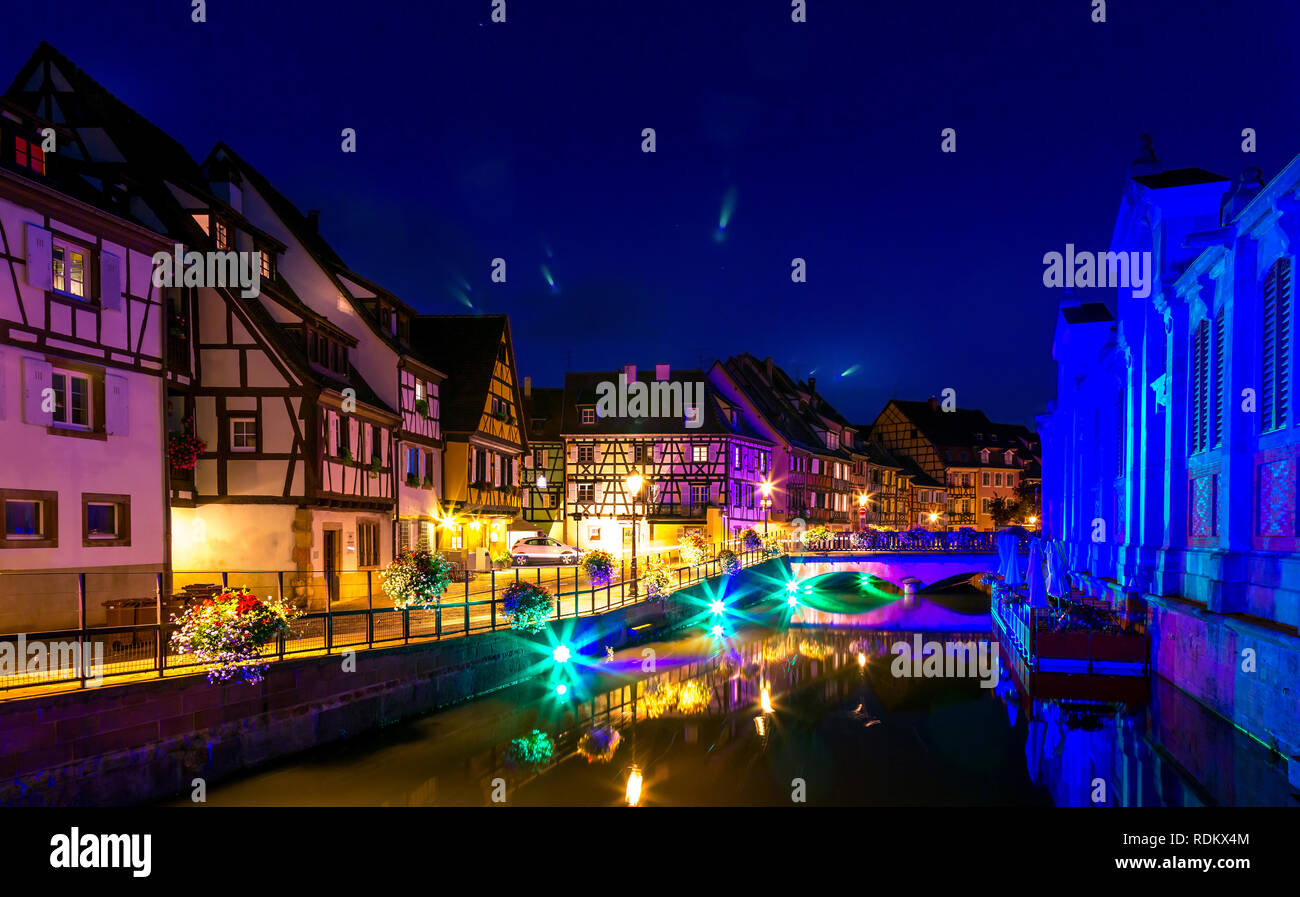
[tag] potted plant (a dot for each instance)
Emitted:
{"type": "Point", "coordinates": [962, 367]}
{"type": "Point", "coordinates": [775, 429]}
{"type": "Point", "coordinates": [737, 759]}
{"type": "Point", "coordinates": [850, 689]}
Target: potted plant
{"type": "Point", "coordinates": [346, 455]}
{"type": "Point", "coordinates": [502, 559]}
{"type": "Point", "coordinates": [413, 480]}
{"type": "Point", "coordinates": [599, 566]}
{"type": "Point", "coordinates": [375, 466]}
{"type": "Point", "coordinates": [599, 743]}
{"type": "Point", "coordinates": [416, 579]}
{"type": "Point", "coordinates": [750, 539]}
{"type": "Point", "coordinates": [422, 407]}
{"type": "Point", "coordinates": [528, 605]}
{"type": "Point", "coordinates": [228, 631]}
{"type": "Point", "coordinates": [184, 448]}
{"type": "Point", "coordinates": [428, 481]}
{"type": "Point", "coordinates": [729, 561]}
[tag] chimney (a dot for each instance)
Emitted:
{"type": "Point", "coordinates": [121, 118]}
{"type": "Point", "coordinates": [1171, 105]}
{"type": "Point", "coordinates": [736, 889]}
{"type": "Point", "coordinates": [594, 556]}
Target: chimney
{"type": "Point", "coordinates": [812, 386]}
{"type": "Point", "coordinates": [767, 363]}
{"type": "Point", "coordinates": [313, 220]}
{"type": "Point", "coordinates": [528, 387]}
{"type": "Point", "coordinates": [934, 403]}
{"type": "Point", "coordinates": [663, 372]}
{"type": "Point", "coordinates": [630, 371]}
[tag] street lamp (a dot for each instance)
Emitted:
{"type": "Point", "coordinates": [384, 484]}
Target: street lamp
{"type": "Point", "coordinates": [633, 485]}
{"type": "Point", "coordinates": [766, 489]}
{"type": "Point", "coordinates": [862, 511]}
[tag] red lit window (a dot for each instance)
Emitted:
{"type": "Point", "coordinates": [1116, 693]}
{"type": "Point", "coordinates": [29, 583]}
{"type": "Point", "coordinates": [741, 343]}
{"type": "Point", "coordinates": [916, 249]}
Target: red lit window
{"type": "Point", "coordinates": [29, 155]}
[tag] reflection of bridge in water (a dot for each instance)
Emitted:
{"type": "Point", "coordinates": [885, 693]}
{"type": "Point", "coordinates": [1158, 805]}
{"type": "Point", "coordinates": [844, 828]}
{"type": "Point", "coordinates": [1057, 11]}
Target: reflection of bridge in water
{"type": "Point", "coordinates": [907, 571]}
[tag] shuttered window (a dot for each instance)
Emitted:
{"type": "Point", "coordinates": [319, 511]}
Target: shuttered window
{"type": "Point", "coordinates": [1276, 345]}
{"type": "Point", "coordinates": [1216, 397]}
{"type": "Point", "coordinates": [1200, 386]}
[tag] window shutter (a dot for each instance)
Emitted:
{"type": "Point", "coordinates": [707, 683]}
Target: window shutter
{"type": "Point", "coordinates": [631, 453]}
{"type": "Point", "coordinates": [658, 452]}
{"type": "Point", "coordinates": [36, 379]}
{"type": "Point", "coordinates": [528, 461]}
{"type": "Point", "coordinates": [573, 491]}
{"type": "Point", "coordinates": [117, 407]}
{"type": "Point", "coordinates": [40, 266]}
{"type": "Point", "coordinates": [110, 281]}
{"type": "Point", "coordinates": [597, 452]}
{"type": "Point", "coordinates": [571, 453]}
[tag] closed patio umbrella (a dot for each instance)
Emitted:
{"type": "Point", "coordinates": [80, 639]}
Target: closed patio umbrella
{"type": "Point", "coordinates": [1037, 587]}
{"type": "Point", "coordinates": [1009, 563]}
{"type": "Point", "coordinates": [1057, 584]}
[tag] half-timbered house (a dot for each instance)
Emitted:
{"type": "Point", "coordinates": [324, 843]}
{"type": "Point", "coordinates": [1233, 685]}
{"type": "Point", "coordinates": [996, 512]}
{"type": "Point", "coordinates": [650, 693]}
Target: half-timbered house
{"type": "Point", "coordinates": [293, 469]}
{"type": "Point", "coordinates": [377, 329]}
{"type": "Point", "coordinates": [707, 476]}
{"type": "Point", "coordinates": [811, 473]}
{"type": "Point", "coordinates": [484, 435]}
{"type": "Point", "coordinates": [543, 486]}
{"type": "Point", "coordinates": [83, 483]}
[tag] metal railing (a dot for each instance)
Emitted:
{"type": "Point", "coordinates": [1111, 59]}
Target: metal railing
{"type": "Point", "coordinates": [965, 541]}
{"type": "Point", "coordinates": [91, 626]}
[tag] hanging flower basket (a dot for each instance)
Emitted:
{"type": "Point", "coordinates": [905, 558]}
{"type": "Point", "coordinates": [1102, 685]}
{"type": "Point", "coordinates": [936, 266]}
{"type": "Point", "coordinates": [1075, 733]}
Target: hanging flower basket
{"type": "Point", "coordinates": [658, 581]}
{"type": "Point", "coordinates": [750, 539]}
{"type": "Point", "coordinates": [599, 566]}
{"type": "Point", "coordinates": [730, 562]}
{"type": "Point", "coordinates": [528, 606]}
{"type": "Point", "coordinates": [228, 631]}
{"type": "Point", "coordinates": [772, 547]}
{"type": "Point", "coordinates": [375, 466]}
{"type": "Point", "coordinates": [422, 407]}
{"type": "Point", "coordinates": [415, 580]}
{"type": "Point", "coordinates": [694, 547]}
{"type": "Point", "coordinates": [598, 744]}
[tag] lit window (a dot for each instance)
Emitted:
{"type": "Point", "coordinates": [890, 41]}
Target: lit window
{"type": "Point", "coordinates": [588, 415]}
{"type": "Point", "coordinates": [268, 265]}
{"type": "Point", "coordinates": [243, 434]}
{"type": "Point", "coordinates": [69, 269]}
{"type": "Point", "coordinates": [29, 155]}
{"type": "Point", "coordinates": [71, 399]}
{"type": "Point", "coordinates": [220, 234]}
{"type": "Point", "coordinates": [699, 453]}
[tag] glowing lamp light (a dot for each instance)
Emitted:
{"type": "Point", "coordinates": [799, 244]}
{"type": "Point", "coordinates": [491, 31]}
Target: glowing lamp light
{"type": "Point", "coordinates": [634, 483]}
{"type": "Point", "coordinates": [541, 481]}
{"type": "Point", "coordinates": [765, 700]}
{"type": "Point", "coordinates": [1033, 520]}
{"type": "Point", "coordinates": [792, 587]}
{"type": "Point", "coordinates": [561, 653]}
{"type": "Point", "coordinates": [766, 488]}
{"type": "Point", "coordinates": [862, 659]}
{"type": "Point", "coordinates": [933, 517]}
{"type": "Point", "coordinates": [634, 786]}
{"type": "Point", "coordinates": [561, 689]}
{"type": "Point", "coordinates": [717, 606]}
{"type": "Point", "coordinates": [793, 600]}
{"type": "Point", "coordinates": [717, 631]}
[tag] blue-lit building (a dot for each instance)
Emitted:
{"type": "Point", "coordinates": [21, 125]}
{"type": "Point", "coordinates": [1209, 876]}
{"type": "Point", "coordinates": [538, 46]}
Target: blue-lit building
{"type": "Point", "coordinates": [1170, 452]}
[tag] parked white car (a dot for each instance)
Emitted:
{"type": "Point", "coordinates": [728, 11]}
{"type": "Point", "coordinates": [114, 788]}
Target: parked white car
{"type": "Point", "coordinates": [543, 550]}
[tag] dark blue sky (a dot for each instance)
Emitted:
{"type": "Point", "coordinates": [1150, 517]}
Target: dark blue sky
{"type": "Point", "coordinates": [523, 141]}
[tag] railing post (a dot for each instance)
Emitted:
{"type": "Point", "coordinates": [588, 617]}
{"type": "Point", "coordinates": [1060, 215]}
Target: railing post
{"type": "Point", "coordinates": [81, 625]}
{"type": "Point", "coordinates": [279, 585]}
{"type": "Point", "coordinates": [158, 634]}
{"type": "Point", "coordinates": [370, 610]}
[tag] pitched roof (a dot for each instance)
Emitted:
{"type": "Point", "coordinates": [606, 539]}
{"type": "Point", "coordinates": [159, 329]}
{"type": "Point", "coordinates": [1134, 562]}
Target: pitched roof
{"type": "Point", "coordinates": [582, 388]}
{"type": "Point", "coordinates": [544, 406]}
{"type": "Point", "coordinates": [465, 346]}
{"type": "Point", "coordinates": [776, 399]}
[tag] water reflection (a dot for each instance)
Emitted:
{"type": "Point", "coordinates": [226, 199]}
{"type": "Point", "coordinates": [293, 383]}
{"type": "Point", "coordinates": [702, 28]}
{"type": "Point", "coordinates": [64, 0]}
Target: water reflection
{"type": "Point", "coordinates": [764, 718]}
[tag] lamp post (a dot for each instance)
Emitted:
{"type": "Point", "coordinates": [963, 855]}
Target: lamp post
{"type": "Point", "coordinates": [862, 511]}
{"type": "Point", "coordinates": [766, 502]}
{"type": "Point", "coordinates": [633, 485]}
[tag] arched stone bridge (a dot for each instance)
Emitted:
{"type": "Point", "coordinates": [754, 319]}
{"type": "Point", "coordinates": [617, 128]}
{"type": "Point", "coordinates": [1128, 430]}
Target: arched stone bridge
{"type": "Point", "coordinates": [909, 561]}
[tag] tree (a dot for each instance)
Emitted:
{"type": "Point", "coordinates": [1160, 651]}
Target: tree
{"type": "Point", "coordinates": [1003, 510]}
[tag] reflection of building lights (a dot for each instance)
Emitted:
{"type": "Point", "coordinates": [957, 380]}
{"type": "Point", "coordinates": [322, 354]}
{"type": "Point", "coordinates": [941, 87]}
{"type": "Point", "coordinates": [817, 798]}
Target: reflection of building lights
{"type": "Point", "coordinates": [862, 659]}
{"type": "Point", "coordinates": [792, 587]}
{"type": "Point", "coordinates": [717, 631]}
{"type": "Point", "coordinates": [561, 653]}
{"type": "Point", "coordinates": [717, 606]}
{"type": "Point", "coordinates": [634, 786]}
{"type": "Point", "coordinates": [760, 725]}
{"type": "Point", "coordinates": [765, 700]}
{"type": "Point", "coordinates": [793, 601]}
{"type": "Point", "coordinates": [561, 689]}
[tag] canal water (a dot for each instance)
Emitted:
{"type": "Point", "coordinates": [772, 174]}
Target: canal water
{"type": "Point", "coordinates": [782, 705]}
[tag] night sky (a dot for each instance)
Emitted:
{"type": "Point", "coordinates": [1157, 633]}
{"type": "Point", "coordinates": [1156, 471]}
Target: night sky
{"type": "Point", "coordinates": [523, 140]}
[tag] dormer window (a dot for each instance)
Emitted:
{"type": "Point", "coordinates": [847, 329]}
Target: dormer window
{"type": "Point", "coordinates": [28, 154]}
{"type": "Point", "coordinates": [326, 352]}
{"type": "Point", "coordinates": [587, 414]}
